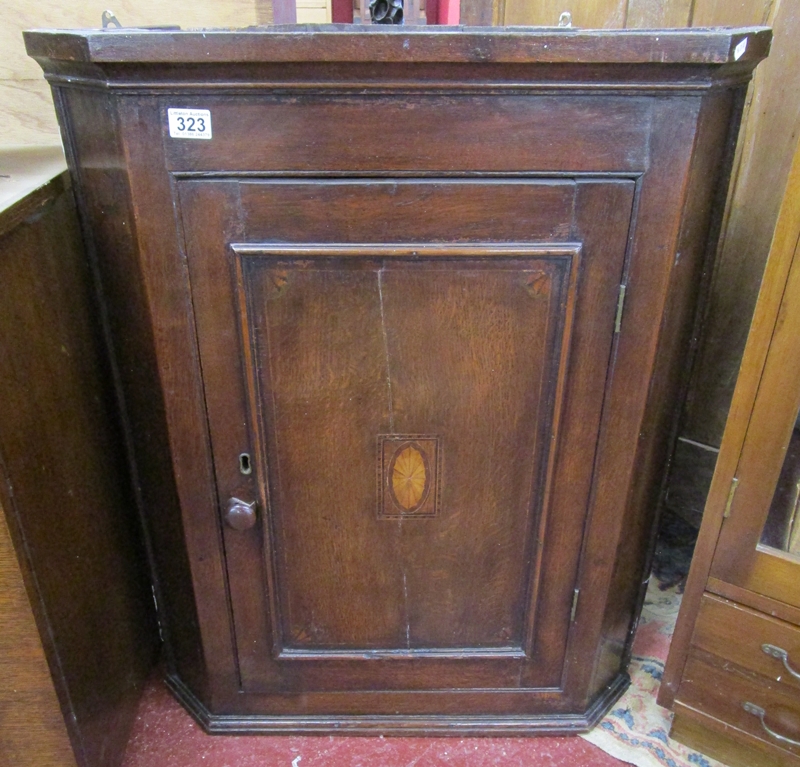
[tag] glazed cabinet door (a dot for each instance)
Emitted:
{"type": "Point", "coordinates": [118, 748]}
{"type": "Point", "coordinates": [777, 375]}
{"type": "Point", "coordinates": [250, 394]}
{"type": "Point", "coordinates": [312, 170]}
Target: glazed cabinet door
{"type": "Point", "coordinates": [759, 543]}
{"type": "Point", "coordinates": [404, 384]}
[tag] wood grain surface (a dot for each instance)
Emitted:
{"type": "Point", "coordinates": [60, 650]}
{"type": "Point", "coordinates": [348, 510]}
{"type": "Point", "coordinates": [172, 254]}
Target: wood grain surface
{"type": "Point", "coordinates": [261, 327]}
{"type": "Point", "coordinates": [771, 423]}
{"type": "Point", "coordinates": [615, 14]}
{"type": "Point", "coordinates": [767, 144]}
{"type": "Point", "coordinates": [719, 620]}
{"type": "Point", "coordinates": [719, 740]}
{"type": "Point", "coordinates": [365, 43]}
{"type": "Point", "coordinates": [63, 481]}
{"type": "Point", "coordinates": [587, 14]}
{"type": "Point", "coordinates": [32, 729]}
{"type": "Point", "coordinates": [720, 690]}
{"type": "Point", "coordinates": [647, 14]}
{"type": "Point", "coordinates": [406, 576]}
{"type": "Point", "coordinates": [27, 116]}
{"type": "Point", "coordinates": [782, 261]}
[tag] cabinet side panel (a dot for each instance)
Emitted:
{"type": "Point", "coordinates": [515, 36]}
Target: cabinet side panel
{"type": "Point", "coordinates": [96, 160]}
{"type": "Point", "coordinates": [686, 288]}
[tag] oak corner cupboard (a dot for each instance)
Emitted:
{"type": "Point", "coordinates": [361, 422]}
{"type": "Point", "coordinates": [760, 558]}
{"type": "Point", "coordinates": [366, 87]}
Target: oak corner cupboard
{"type": "Point", "coordinates": [400, 321]}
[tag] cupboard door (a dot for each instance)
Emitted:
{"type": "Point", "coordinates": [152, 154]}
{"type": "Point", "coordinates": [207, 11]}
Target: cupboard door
{"type": "Point", "coordinates": [404, 384]}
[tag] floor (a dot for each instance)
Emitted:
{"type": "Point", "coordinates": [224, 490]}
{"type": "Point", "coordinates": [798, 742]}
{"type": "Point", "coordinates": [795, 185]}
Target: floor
{"type": "Point", "coordinates": [165, 735]}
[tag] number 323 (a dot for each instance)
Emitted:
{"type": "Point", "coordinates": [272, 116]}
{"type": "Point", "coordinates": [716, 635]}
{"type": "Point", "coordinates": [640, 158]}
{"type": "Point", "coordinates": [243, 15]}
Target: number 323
{"type": "Point", "coordinates": [191, 124]}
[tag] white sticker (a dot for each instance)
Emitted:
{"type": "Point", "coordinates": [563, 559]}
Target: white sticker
{"type": "Point", "coordinates": [189, 123]}
{"type": "Point", "coordinates": [739, 50]}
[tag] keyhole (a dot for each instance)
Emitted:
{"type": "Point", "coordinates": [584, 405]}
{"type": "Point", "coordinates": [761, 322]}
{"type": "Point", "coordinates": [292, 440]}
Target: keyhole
{"type": "Point", "coordinates": [245, 466]}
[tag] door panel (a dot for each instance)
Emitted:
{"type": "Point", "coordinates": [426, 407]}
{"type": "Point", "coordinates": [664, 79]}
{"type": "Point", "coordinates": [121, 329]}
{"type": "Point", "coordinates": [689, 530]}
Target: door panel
{"type": "Point", "coordinates": [398, 381]}
{"type": "Point", "coordinates": [435, 374]}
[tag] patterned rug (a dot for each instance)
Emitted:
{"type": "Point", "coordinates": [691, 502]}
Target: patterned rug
{"type": "Point", "coordinates": [636, 730]}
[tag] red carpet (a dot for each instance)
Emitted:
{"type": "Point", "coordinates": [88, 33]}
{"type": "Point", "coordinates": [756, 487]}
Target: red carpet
{"type": "Point", "coordinates": [166, 736]}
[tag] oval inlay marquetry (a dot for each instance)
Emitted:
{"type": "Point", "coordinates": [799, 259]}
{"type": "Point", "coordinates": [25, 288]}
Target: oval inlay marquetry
{"type": "Point", "coordinates": [409, 477]}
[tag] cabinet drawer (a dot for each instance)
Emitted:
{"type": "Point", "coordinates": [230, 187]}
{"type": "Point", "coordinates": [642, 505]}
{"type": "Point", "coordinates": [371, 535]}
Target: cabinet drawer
{"type": "Point", "coordinates": [713, 687]}
{"type": "Point", "coordinates": [726, 744]}
{"type": "Point", "coordinates": [765, 645]}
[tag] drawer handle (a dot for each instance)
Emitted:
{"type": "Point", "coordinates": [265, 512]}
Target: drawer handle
{"type": "Point", "coordinates": [755, 710]}
{"type": "Point", "coordinates": [780, 654]}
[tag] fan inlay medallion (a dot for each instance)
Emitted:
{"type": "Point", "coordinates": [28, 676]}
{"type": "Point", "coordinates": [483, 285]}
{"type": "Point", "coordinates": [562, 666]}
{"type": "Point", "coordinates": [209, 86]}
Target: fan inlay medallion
{"type": "Point", "coordinates": [409, 478]}
{"type": "Point", "coordinates": [408, 475]}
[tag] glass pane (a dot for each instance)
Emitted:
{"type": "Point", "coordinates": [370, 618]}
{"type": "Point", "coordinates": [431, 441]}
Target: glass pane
{"type": "Point", "coordinates": [782, 529]}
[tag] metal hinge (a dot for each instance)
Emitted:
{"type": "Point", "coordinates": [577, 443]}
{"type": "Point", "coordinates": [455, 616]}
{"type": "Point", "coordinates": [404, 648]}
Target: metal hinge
{"type": "Point", "coordinates": [574, 605]}
{"type": "Point", "coordinates": [620, 304]}
{"type": "Point", "coordinates": [731, 493]}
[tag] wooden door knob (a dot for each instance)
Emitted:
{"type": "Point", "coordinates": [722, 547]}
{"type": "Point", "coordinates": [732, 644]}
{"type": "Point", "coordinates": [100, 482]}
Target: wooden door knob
{"type": "Point", "coordinates": [240, 515]}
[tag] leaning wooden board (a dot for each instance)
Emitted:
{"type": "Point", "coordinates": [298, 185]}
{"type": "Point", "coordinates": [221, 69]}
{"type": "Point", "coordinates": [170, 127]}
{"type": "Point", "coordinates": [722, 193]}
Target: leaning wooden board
{"type": "Point", "coordinates": [400, 400]}
{"type": "Point", "coordinates": [71, 562]}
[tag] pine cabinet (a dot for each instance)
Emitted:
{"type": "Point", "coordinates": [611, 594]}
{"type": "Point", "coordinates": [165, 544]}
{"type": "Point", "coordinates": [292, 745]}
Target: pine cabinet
{"type": "Point", "coordinates": [400, 320]}
{"type": "Point", "coordinates": [733, 672]}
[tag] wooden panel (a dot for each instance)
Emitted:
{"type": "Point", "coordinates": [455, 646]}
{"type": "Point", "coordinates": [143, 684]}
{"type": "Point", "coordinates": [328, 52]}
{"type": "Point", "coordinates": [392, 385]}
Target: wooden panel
{"type": "Point", "coordinates": [65, 486]}
{"type": "Point", "coordinates": [653, 14]}
{"type": "Point", "coordinates": [312, 15]}
{"type": "Point", "coordinates": [767, 143]}
{"type": "Point", "coordinates": [286, 211]}
{"type": "Point", "coordinates": [32, 731]}
{"type": "Point", "coordinates": [635, 530]}
{"type": "Point", "coordinates": [26, 112]}
{"type": "Point", "coordinates": [85, 14]}
{"type": "Point", "coordinates": [458, 382]}
{"type": "Point", "coordinates": [480, 13]}
{"type": "Point", "coordinates": [26, 174]}
{"type": "Point", "coordinates": [264, 13]}
{"type": "Point", "coordinates": [588, 14]}
{"type": "Point", "coordinates": [27, 116]}
{"type": "Point", "coordinates": [711, 161]}
{"type": "Point", "coordinates": [313, 11]}
{"type": "Point", "coordinates": [733, 13]}
{"type": "Point", "coordinates": [642, 14]}
{"type": "Point", "coordinates": [537, 134]}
